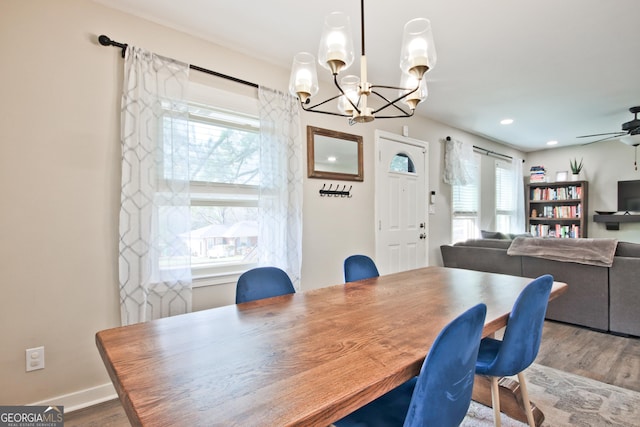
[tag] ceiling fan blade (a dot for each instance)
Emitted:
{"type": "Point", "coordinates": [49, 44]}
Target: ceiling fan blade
{"type": "Point", "coordinates": [602, 134]}
{"type": "Point", "coordinates": [602, 139]}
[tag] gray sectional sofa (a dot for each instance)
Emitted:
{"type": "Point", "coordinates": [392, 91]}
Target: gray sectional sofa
{"type": "Point", "coordinates": [599, 297]}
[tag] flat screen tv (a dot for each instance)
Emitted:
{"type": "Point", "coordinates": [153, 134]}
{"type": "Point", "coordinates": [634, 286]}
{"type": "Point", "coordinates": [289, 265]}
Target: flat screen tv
{"type": "Point", "coordinates": [629, 196]}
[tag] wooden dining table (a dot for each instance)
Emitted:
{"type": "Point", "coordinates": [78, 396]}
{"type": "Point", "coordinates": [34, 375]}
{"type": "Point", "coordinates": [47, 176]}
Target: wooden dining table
{"type": "Point", "coordinates": [304, 359]}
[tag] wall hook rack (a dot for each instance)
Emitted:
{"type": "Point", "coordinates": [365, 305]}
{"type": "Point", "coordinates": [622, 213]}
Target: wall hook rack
{"type": "Point", "coordinates": [335, 192]}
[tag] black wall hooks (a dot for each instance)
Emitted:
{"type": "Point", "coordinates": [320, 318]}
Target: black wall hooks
{"type": "Point", "coordinates": [337, 192]}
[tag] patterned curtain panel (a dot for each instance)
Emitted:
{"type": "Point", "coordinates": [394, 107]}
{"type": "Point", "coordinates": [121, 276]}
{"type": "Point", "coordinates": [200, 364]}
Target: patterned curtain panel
{"type": "Point", "coordinates": [280, 203]}
{"type": "Point", "coordinates": [458, 163]}
{"type": "Point", "coordinates": [155, 273]}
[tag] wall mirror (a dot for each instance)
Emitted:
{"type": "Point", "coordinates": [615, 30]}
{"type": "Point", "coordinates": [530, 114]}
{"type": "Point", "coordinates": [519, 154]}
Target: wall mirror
{"type": "Point", "coordinates": [334, 155]}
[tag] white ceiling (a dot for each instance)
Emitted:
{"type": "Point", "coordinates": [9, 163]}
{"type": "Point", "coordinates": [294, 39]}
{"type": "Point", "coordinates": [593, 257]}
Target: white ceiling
{"type": "Point", "coordinates": [558, 68]}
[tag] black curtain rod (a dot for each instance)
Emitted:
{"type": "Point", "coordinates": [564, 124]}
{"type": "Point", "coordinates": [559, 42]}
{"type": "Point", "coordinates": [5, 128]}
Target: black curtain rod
{"type": "Point", "coordinates": [106, 41]}
{"type": "Point", "coordinates": [493, 153]}
{"type": "Point", "coordinates": [488, 151]}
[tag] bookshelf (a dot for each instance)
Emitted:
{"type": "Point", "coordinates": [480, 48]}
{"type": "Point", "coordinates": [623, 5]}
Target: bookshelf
{"type": "Point", "coordinates": [557, 209]}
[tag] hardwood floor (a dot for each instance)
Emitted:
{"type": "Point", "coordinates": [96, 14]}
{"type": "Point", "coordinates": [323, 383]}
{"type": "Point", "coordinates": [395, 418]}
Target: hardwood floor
{"type": "Point", "coordinates": [604, 357]}
{"type": "Point", "coordinates": [608, 358]}
{"type": "Point", "coordinates": [107, 414]}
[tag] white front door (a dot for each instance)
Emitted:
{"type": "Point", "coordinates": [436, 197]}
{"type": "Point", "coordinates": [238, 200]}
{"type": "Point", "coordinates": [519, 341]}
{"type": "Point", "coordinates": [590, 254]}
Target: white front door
{"type": "Point", "coordinates": [401, 210]}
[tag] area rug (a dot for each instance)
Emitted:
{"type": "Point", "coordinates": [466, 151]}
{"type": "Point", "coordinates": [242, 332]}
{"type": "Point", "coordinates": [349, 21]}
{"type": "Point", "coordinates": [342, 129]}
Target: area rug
{"type": "Point", "coordinates": [568, 400]}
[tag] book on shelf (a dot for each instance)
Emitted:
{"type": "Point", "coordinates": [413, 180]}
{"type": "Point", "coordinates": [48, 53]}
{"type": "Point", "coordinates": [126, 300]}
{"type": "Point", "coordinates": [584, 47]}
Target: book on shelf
{"type": "Point", "coordinates": [568, 231]}
{"type": "Point", "coordinates": [558, 212]}
{"type": "Point", "coordinates": [570, 192]}
{"type": "Point", "coordinates": [558, 231]}
{"type": "Point", "coordinates": [539, 230]}
{"type": "Point", "coordinates": [572, 211]}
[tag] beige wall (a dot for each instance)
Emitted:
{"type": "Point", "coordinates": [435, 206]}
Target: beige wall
{"type": "Point", "coordinates": [59, 166]}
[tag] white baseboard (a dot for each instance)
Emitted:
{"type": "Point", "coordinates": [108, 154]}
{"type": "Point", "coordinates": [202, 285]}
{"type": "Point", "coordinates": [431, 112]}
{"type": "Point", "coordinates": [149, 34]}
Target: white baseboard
{"type": "Point", "coordinates": [81, 399]}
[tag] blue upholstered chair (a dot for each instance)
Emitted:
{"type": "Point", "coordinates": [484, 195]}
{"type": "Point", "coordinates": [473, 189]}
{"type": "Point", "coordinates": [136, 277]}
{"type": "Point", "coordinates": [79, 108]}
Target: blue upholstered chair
{"type": "Point", "coordinates": [262, 282]}
{"type": "Point", "coordinates": [440, 395]}
{"type": "Point", "coordinates": [520, 343]}
{"type": "Point", "coordinates": [358, 267]}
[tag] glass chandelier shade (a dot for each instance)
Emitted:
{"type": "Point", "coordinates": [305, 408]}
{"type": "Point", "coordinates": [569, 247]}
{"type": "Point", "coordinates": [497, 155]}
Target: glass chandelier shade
{"type": "Point", "coordinates": [418, 54]}
{"type": "Point", "coordinates": [304, 77]}
{"type": "Point", "coordinates": [350, 85]}
{"type": "Point", "coordinates": [415, 97]}
{"type": "Point", "coordinates": [335, 53]}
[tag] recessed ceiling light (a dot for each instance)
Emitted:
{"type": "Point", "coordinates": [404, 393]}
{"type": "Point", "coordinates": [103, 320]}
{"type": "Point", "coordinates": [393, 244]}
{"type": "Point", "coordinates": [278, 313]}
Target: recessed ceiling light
{"type": "Point", "coordinates": [506, 121]}
{"type": "Point", "coordinates": [332, 158]}
{"type": "Point", "coordinates": [552, 142]}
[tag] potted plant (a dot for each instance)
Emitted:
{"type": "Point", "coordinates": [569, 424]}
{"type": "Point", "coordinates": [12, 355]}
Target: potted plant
{"type": "Point", "coordinates": [575, 168]}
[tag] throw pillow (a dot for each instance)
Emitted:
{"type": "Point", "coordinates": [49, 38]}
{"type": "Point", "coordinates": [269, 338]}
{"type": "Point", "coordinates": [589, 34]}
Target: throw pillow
{"type": "Point", "coordinates": [492, 235]}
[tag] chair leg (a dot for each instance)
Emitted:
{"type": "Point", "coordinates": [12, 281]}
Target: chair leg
{"type": "Point", "coordinates": [525, 398]}
{"type": "Point", "coordinates": [495, 401]}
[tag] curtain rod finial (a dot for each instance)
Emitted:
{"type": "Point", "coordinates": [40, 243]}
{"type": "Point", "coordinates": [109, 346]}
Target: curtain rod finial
{"type": "Point", "coordinates": [104, 40]}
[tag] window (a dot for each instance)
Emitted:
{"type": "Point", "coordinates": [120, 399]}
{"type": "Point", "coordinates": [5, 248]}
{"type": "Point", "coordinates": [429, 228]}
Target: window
{"type": "Point", "coordinates": [465, 207]}
{"type": "Point", "coordinates": [505, 196]}
{"type": "Point", "coordinates": [224, 188]}
{"type": "Point", "coordinates": [401, 162]}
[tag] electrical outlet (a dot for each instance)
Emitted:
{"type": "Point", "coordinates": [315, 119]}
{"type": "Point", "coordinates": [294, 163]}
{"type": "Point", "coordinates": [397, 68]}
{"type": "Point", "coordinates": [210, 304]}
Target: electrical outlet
{"type": "Point", "coordinates": [35, 358]}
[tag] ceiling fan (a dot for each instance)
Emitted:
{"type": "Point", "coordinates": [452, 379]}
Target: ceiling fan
{"type": "Point", "coordinates": [630, 133]}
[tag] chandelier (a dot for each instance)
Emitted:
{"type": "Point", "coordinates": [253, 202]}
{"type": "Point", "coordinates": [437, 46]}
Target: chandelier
{"type": "Point", "coordinates": [335, 53]}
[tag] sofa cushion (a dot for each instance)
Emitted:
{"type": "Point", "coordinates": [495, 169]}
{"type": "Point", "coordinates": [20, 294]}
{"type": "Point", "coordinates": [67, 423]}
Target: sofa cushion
{"type": "Point", "coordinates": [513, 235]}
{"type": "Point", "coordinates": [628, 249]}
{"type": "Point", "coordinates": [498, 235]}
{"type": "Point", "coordinates": [492, 235]}
{"type": "Point", "coordinates": [491, 260]}
{"type": "Point", "coordinates": [486, 243]}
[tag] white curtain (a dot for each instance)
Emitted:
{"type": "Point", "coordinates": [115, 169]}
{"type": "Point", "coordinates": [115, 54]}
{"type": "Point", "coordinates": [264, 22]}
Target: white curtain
{"type": "Point", "coordinates": [518, 221]}
{"type": "Point", "coordinates": [155, 274]}
{"type": "Point", "coordinates": [280, 205]}
{"type": "Point", "coordinates": [459, 164]}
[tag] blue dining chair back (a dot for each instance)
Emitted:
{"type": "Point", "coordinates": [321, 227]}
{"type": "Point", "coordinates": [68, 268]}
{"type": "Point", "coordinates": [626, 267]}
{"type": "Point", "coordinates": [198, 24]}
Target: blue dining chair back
{"type": "Point", "coordinates": [262, 282]}
{"type": "Point", "coordinates": [359, 267]}
{"type": "Point", "coordinates": [520, 343]}
{"type": "Point", "coordinates": [440, 395]}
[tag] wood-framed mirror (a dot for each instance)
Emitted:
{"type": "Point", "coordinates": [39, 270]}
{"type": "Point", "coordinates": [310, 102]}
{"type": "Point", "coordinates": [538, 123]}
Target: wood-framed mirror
{"type": "Point", "coordinates": [334, 155]}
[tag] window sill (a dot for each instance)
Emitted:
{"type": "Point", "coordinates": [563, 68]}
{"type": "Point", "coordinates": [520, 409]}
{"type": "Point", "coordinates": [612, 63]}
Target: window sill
{"type": "Point", "coordinates": [202, 280]}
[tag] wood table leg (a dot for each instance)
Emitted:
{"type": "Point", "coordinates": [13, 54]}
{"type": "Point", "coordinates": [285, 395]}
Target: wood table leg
{"type": "Point", "coordinates": [511, 403]}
